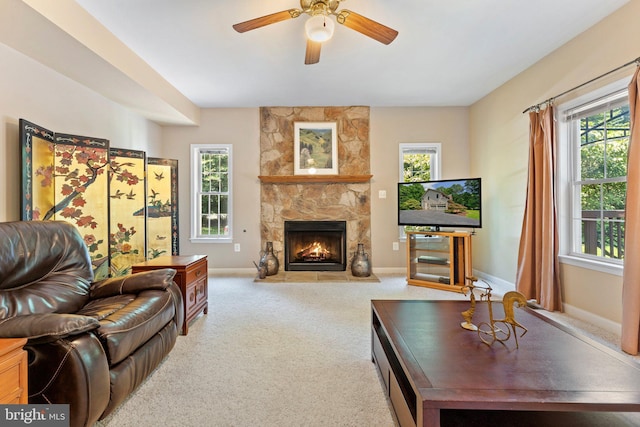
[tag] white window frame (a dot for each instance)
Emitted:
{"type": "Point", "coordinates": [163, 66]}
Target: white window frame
{"type": "Point", "coordinates": [196, 185]}
{"type": "Point", "coordinates": [403, 147]}
{"type": "Point", "coordinates": [434, 147]}
{"type": "Point", "coordinates": [567, 201]}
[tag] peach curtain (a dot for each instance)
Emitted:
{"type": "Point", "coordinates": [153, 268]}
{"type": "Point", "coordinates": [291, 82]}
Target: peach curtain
{"type": "Point", "coordinates": [538, 272]}
{"type": "Point", "coordinates": [631, 276]}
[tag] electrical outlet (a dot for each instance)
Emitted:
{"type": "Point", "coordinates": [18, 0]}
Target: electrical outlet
{"type": "Point", "coordinates": [236, 247]}
{"type": "Point", "coordinates": [382, 194]}
{"type": "Point", "coordinates": [396, 246]}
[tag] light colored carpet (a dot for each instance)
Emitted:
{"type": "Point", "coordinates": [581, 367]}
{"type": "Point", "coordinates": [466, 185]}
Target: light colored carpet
{"type": "Point", "coordinates": [277, 354]}
{"type": "Point", "coordinates": [273, 354]}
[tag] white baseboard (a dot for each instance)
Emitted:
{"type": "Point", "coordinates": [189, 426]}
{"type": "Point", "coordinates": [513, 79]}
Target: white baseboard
{"type": "Point", "coordinates": [594, 319]}
{"type": "Point", "coordinates": [390, 270]}
{"type": "Point", "coordinates": [501, 286]}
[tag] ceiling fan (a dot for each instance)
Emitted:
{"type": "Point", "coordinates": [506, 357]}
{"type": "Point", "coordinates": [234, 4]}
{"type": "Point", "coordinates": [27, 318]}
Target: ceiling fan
{"type": "Point", "coordinates": [319, 27]}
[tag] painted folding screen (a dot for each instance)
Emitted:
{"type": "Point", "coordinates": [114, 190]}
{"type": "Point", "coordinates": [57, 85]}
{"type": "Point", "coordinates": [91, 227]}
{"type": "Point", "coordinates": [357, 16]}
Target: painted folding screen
{"type": "Point", "coordinates": [65, 177]}
{"type": "Point", "coordinates": [37, 170]}
{"type": "Point", "coordinates": [127, 187]}
{"type": "Point", "coordinates": [125, 215]}
{"type": "Point", "coordinates": [162, 207]}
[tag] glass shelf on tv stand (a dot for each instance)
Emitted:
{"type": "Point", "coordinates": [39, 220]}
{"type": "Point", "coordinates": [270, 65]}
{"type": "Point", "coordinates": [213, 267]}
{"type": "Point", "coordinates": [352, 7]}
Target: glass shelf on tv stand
{"type": "Point", "coordinates": [440, 260]}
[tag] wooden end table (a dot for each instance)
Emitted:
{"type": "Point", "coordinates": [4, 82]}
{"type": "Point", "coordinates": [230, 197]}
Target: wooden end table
{"type": "Point", "coordinates": [191, 277]}
{"type": "Point", "coordinates": [13, 371]}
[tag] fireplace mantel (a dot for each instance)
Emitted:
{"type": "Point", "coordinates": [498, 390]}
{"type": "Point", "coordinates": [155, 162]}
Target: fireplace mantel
{"type": "Point", "coordinates": [310, 179]}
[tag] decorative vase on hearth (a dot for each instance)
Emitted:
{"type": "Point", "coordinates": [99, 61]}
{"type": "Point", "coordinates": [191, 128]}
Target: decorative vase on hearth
{"type": "Point", "coordinates": [269, 260]}
{"type": "Point", "coordinates": [361, 266]}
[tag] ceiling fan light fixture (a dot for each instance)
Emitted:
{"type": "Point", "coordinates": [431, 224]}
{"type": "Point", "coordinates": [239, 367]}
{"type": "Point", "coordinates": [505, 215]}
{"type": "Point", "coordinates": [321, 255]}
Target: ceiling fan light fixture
{"type": "Point", "coordinates": [319, 28]}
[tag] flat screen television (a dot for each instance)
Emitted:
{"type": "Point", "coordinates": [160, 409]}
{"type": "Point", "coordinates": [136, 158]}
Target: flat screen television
{"type": "Point", "coordinates": [447, 203]}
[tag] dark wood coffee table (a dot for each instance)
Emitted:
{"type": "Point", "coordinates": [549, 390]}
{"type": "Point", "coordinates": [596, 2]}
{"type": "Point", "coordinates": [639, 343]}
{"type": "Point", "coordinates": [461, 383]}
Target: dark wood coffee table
{"type": "Point", "coordinates": [437, 372]}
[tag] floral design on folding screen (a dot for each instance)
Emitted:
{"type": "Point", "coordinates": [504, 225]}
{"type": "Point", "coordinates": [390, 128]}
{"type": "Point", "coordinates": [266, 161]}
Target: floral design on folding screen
{"type": "Point", "coordinates": [104, 192]}
{"type": "Point", "coordinates": [127, 186]}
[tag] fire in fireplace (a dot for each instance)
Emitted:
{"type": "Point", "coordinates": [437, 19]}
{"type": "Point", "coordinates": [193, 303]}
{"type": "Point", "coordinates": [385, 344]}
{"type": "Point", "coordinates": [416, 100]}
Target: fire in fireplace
{"type": "Point", "coordinates": [315, 245]}
{"type": "Point", "coordinates": [314, 252]}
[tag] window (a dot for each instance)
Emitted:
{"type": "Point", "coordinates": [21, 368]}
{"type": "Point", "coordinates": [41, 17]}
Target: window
{"type": "Point", "coordinates": [418, 162]}
{"type": "Point", "coordinates": [211, 193]}
{"type": "Point", "coordinates": [593, 145]}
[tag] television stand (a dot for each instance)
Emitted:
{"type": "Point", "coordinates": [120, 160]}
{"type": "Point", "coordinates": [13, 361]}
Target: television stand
{"type": "Point", "coordinates": [440, 260]}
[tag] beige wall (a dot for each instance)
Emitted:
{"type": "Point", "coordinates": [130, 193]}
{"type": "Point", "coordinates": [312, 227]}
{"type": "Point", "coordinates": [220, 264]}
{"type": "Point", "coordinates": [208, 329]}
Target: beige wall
{"type": "Point", "coordinates": [389, 128]}
{"type": "Point", "coordinates": [240, 127]}
{"type": "Point", "coordinates": [499, 152]}
{"type": "Point", "coordinates": [34, 92]}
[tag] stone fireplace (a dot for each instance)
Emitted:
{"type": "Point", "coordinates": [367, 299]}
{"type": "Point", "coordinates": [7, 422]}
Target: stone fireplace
{"type": "Point", "coordinates": [315, 245]}
{"type": "Point", "coordinates": [287, 197]}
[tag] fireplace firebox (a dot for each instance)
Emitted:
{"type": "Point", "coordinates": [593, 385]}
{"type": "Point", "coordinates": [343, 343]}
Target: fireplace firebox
{"type": "Point", "coordinates": [315, 245]}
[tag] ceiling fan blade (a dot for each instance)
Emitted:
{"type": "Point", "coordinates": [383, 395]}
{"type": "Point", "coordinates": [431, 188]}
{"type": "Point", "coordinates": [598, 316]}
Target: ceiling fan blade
{"type": "Point", "coordinates": [252, 24]}
{"type": "Point", "coordinates": [312, 55]}
{"type": "Point", "coordinates": [366, 26]}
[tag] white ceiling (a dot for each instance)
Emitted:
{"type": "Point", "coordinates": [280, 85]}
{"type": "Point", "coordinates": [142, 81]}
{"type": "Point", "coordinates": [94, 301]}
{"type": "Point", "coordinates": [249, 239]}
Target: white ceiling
{"type": "Point", "coordinates": [447, 53]}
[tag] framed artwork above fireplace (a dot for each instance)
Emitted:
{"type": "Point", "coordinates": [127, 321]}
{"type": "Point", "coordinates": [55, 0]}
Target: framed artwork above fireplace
{"type": "Point", "coordinates": [315, 148]}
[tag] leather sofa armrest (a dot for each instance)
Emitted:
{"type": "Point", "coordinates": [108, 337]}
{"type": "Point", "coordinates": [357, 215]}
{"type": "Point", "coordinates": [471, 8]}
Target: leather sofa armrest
{"type": "Point", "coordinates": [133, 283]}
{"type": "Point", "coordinates": [46, 327]}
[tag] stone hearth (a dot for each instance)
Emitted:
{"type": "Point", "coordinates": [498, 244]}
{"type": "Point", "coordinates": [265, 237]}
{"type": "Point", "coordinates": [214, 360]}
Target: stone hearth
{"type": "Point", "coordinates": [327, 200]}
{"type": "Point", "coordinates": [316, 277]}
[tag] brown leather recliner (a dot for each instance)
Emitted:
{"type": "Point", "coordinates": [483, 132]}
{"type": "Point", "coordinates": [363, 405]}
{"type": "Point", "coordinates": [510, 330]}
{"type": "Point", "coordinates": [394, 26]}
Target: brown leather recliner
{"type": "Point", "coordinates": [89, 344]}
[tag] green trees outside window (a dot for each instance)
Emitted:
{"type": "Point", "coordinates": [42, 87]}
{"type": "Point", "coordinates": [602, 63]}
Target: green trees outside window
{"type": "Point", "coordinates": [212, 191]}
{"type": "Point", "coordinates": [601, 181]}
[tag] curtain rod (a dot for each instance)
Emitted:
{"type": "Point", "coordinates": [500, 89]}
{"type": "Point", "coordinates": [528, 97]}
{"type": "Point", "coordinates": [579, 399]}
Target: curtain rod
{"type": "Point", "coordinates": [536, 106]}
